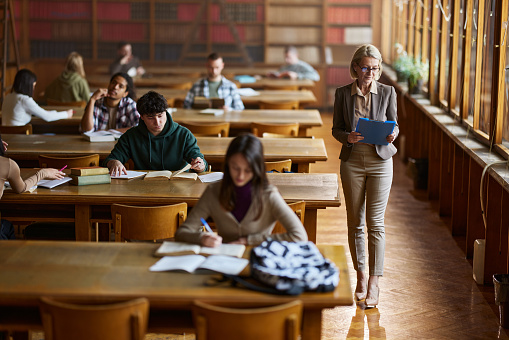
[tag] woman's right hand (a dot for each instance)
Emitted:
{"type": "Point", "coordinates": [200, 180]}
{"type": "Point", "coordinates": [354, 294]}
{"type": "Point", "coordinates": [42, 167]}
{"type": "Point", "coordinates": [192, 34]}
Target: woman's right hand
{"type": "Point", "coordinates": [354, 137]}
{"type": "Point", "coordinates": [70, 113]}
{"type": "Point", "coordinates": [210, 240]}
{"type": "Point", "coordinates": [53, 174]}
{"type": "Point", "coordinates": [4, 145]}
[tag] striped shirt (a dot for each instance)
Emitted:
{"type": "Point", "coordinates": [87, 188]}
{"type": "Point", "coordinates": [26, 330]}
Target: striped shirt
{"type": "Point", "coordinates": [127, 115]}
{"type": "Point", "coordinates": [227, 90]}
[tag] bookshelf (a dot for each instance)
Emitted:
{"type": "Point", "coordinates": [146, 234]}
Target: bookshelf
{"type": "Point", "coordinates": [325, 32]}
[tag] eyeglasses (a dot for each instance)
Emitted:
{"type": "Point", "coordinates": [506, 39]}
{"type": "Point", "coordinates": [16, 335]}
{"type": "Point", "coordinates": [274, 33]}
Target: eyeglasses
{"type": "Point", "coordinates": [370, 69]}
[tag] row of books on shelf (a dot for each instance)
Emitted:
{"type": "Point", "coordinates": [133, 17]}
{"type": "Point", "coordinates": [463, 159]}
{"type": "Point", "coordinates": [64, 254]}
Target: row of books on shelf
{"type": "Point", "coordinates": [293, 35]}
{"type": "Point", "coordinates": [238, 12]}
{"type": "Point", "coordinates": [349, 35]}
{"type": "Point", "coordinates": [297, 15]}
{"type": "Point", "coordinates": [59, 49]}
{"type": "Point", "coordinates": [349, 15]}
{"type": "Point", "coordinates": [46, 30]}
{"type": "Point", "coordinates": [338, 75]}
{"type": "Point", "coordinates": [218, 33]}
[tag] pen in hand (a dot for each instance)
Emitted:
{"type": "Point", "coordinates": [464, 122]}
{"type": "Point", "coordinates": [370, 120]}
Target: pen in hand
{"type": "Point", "coordinates": [65, 166]}
{"type": "Point", "coordinates": [206, 225]}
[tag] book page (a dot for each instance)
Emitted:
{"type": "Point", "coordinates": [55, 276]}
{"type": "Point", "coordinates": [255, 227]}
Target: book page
{"type": "Point", "coordinates": [187, 263]}
{"type": "Point", "coordinates": [130, 174]}
{"type": "Point", "coordinates": [224, 264]}
{"type": "Point", "coordinates": [163, 174]}
{"type": "Point", "coordinates": [176, 173]}
{"type": "Point", "coordinates": [212, 177]}
{"type": "Point", "coordinates": [50, 184]}
{"type": "Point", "coordinates": [177, 248]}
{"type": "Point", "coordinates": [236, 250]}
{"type": "Point", "coordinates": [186, 175]}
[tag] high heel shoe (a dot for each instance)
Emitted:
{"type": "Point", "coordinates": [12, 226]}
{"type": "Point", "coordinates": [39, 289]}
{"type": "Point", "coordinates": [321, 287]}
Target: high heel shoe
{"type": "Point", "coordinates": [372, 301]}
{"type": "Point", "coordinates": [359, 296]}
{"type": "Point", "coordinates": [360, 292]}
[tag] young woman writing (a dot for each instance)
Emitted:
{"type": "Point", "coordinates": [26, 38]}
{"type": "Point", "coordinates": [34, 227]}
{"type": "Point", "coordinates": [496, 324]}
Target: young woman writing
{"type": "Point", "coordinates": [243, 205]}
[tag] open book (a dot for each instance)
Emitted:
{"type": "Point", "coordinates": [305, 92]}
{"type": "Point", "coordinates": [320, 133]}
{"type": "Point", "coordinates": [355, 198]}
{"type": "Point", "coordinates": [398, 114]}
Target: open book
{"type": "Point", "coordinates": [181, 248]}
{"type": "Point", "coordinates": [191, 263]}
{"type": "Point", "coordinates": [167, 174]}
{"type": "Point", "coordinates": [102, 135]}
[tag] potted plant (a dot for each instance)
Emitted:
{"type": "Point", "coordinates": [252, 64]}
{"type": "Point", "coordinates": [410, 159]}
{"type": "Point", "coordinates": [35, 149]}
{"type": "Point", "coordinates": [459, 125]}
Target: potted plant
{"type": "Point", "coordinates": [402, 66]}
{"type": "Point", "coordinates": [418, 72]}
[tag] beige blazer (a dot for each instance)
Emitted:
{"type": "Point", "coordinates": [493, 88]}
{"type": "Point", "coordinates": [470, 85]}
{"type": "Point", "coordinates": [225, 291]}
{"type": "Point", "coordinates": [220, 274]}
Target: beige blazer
{"type": "Point", "coordinates": [383, 107]}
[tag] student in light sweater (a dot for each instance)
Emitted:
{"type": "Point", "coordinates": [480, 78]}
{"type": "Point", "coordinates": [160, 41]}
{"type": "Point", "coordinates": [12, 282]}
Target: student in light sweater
{"type": "Point", "coordinates": [9, 171]}
{"type": "Point", "coordinates": [19, 106]}
{"type": "Point", "coordinates": [243, 205]}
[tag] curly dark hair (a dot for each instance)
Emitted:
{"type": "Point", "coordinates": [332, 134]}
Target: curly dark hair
{"type": "Point", "coordinates": [131, 90]}
{"type": "Point", "coordinates": [151, 104]}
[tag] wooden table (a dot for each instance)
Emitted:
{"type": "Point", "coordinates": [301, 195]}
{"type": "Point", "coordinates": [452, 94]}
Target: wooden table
{"type": "Point", "coordinates": [239, 120]}
{"type": "Point", "coordinates": [26, 149]}
{"type": "Point", "coordinates": [186, 70]}
{"type": "Point", "coordinates": [105, 271]}
{"type": "Point", "coordinates": [87, 204]}
{"type": "Point", "coordinates": [304, 97]}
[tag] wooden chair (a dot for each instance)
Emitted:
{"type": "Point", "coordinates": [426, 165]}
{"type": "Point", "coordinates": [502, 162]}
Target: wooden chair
{"type": "Point", "coordinates": [279, 105]}
{"type": "Point", "coordinates": [300, 210]}
{"type": "Point", "coordinates": [177, 86]}
{"type": "Point", "coordinates": [16, 130]}
{"type": "Point", "coordinates": [46, 161]}
{"type": "Point", "coordinates": [52, 102]}
{"type": "Point", "coordinates": [85, 320]}
{"type": "Point", "coordinates": [291, 129]}
{"type": "Point", "coordinates": [147, 223]}
{"type": "Point", "coordinates": [273, 322]}
{"type": "Point", "coordinates": [280, 166]}
{"type": "Point", "coordinates": [208, 129]}
{"type": "Point", "coordinates": [281, 88]}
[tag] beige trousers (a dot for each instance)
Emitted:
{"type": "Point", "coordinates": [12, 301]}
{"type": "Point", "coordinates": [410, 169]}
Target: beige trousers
{"type": "Point", "coordinates": [366, 179]}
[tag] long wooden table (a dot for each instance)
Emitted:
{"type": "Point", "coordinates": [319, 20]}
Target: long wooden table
{"type": "Point", "coordinates": [186, 70]}
{"type": "Point", "coordinates": [84, 205]}
{"type": "Point", "coordinates": [98, 80]}
{"type": "Point", "coordinates": [26, 149]}
{"type": "Point", "coordinates": [106, 271]}
{"type": "Point", "coordinates": [239, 120]}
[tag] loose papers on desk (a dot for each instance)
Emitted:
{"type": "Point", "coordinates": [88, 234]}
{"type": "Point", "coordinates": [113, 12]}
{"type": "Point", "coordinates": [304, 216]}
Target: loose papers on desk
{"type": "Point", "coordinates": [248, 92]}
{"type": "Point", "coordinates": [50, 184]}
{"type": "Point", "coordinates": [102, 135]}
{"type": "Point", "coordinates": [191, 263]}
{"type": "Point", "coordinates": [130, 174]}
{"type": "Point", "coordinates": [212, 177]}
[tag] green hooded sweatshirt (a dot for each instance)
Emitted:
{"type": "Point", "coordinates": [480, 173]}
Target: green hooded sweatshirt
{"type": "Point", "coordinates": [171, 150]}
{"type": "Point", "coordinates": [68, 87]}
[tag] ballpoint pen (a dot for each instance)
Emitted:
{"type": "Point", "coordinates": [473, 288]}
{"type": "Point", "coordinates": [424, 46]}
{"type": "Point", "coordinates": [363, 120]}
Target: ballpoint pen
{"type": "Point", "coordinates": [65, 166]}
{"type": "Point", "coordinates": [206, 225]}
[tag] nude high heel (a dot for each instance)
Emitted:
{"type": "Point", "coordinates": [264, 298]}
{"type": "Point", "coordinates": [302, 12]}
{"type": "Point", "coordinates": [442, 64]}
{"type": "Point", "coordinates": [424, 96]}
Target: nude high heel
{"type": "Point", "coordinates": [372, 301]}
{"type": "Point", "coordinates": [361, 289]}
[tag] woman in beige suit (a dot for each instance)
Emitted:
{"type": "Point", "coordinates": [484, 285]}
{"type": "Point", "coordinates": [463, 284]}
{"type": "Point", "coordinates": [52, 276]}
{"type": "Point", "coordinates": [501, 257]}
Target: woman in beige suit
{"type": "Point", "coordinates": [366, 169]}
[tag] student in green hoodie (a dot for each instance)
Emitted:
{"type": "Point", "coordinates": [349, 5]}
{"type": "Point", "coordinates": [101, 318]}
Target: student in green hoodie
{"type": "Point", "coordinates": [157, 143]}
{"type": "Point", "coordinates": [71, 85]}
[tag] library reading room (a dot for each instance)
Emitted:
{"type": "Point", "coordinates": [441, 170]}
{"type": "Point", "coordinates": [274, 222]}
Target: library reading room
{"type": "Point", "coordinates": [254, 169]}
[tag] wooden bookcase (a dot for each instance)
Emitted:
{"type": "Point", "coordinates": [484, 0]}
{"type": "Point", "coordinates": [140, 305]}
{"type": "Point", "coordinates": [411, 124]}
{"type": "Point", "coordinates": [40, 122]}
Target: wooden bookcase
{"type": "Point", "coordinates": [326, 32]}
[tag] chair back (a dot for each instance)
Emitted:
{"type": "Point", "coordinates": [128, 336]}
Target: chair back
{"type": "Point", "coordinates": [57, 162]}
{"type": "Point", "coordinates": [16, 130]}
{"type": "Point", "coordinates": [281, 88]}
{"type": "Point", "coordinates": [177, 86]}
{"type": "Point", "coordinates": [53, 102]}
{"type": "Point", "coordinates": [280, 322]}
{"type": "Point", "coordinates": [279, 105]}
{"type": "Point", "coordinates": [208, 129]}
{"type": "Point", "coordinates": [299, 208]}
{"type": "Point", "coordinates": [147, 223]}
{"type": "Point", "coordinates": [291, 129]}
{"type": "Point", "coordinates": [279, 166]}
{"type": "Point", "coordinates": [85, 320]}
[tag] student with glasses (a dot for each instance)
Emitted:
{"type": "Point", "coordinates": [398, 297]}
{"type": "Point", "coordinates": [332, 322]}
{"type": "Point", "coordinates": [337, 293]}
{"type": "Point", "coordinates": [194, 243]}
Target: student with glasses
{"type": "Point", "coordinates": [366, 169]}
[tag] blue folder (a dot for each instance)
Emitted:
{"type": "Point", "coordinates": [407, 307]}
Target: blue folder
{"type": "Point", "coordinates": [375, 131]}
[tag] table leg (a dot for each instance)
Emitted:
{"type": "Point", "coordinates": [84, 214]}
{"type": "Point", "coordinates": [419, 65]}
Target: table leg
{"type": "Point", "coordinates": [310, 222]}
{"type": "Point", "coordinates": [82, 222]}
{"type": "Point", "coordinates": [311, 324]}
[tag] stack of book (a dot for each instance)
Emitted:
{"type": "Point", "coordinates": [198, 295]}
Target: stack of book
{"type": "Point", "coordinates": [90, 175]}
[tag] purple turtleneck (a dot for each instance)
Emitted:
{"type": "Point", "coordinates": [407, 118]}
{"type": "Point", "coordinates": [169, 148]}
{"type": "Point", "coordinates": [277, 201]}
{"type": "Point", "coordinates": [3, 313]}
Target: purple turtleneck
{"type": "Point", "coordinates": [243, 201]}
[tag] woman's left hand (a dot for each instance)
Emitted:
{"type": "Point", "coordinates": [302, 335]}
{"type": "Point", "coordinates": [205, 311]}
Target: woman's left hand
{"type": "Point", "coordinates": [242, 240]}
{"type": "Point", "coordinates": [391, 137]}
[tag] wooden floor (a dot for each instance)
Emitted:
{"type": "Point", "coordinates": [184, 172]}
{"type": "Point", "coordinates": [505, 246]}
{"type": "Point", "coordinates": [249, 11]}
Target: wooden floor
{"type": "Point", "coordinates": [427, 291]}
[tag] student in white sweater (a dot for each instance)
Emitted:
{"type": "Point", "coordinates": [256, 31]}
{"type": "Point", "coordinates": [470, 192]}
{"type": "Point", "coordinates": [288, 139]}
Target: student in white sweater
{"type": "Point", "coordinates": [19, 106]}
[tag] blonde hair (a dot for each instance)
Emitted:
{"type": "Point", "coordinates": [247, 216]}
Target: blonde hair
{"type": "Point", "coordinates": [366, 50]}
{"type": "Point", "coordinates": [74, 63]}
